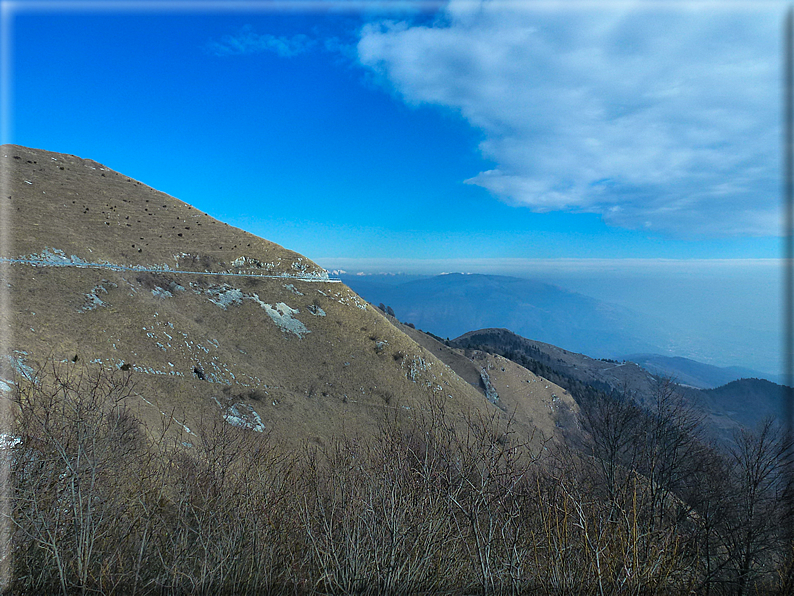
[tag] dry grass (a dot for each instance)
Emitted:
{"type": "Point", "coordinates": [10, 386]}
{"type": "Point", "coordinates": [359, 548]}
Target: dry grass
{"type": "Point", "coordinates": [338, 378]}
{"type": "Point", "coordinates": [103, 504]}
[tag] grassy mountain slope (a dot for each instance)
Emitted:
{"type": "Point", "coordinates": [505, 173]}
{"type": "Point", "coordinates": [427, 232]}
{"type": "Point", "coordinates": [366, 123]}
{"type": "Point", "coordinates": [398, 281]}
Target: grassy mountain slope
{"type": "Point", "coordinates": [744, 403]}
{"type": "Point", "coordinates": [207, 318]}
{"type": "Point", "coordinates": [607, 376]}
{"type": "Point", "coordinates": [534, 402]}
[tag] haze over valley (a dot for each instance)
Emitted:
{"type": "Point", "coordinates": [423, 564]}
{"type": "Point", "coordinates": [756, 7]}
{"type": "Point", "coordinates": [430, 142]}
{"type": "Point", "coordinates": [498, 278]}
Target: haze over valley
{"type": "Point", "coordinates": [714, 319]}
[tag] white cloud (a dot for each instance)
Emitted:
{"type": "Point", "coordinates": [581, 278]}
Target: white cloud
{"type": "Point", "coordinates": [666, 119]}
{"type": "Point", "coordinates": [247, 41]}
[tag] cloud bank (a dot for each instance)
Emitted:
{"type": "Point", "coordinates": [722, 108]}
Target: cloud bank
{"type": "Point", "coordinates": [659, 119]}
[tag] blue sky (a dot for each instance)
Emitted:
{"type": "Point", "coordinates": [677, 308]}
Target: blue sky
{"type": "Point", "coordinates": [491, 130]}
{"type": "Point", "coordinates": [436, 136]}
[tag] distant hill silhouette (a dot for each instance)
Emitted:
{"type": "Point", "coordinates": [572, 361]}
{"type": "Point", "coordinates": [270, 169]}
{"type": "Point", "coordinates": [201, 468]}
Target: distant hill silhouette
{"type": "Point", "coordinates": [747, 400]}
{"type": "Point", "coordinates": [696, 374]}
{"type": "Point", "coordinates": [452, 304]}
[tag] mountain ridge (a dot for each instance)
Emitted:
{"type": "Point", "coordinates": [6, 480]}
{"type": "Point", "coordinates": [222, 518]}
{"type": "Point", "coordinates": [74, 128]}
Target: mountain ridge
{"type": "Point", "coordinates": [743, 403]}
{"type": "Point", "coordinates": [451, 304]}
{"type": "Point", "coordinates": [697, 374]}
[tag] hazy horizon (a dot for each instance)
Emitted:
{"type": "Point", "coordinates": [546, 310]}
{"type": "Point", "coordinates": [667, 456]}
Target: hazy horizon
{"type": "Point", "coordinates": [728, 311]}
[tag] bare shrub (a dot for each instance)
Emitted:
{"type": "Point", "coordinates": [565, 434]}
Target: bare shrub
{"type": "Point", "coordinates": [427, 503]}
{"type": "Point", "coordinates": [372, 522]}
{"type": "Point", "coordinates": [71, 498]}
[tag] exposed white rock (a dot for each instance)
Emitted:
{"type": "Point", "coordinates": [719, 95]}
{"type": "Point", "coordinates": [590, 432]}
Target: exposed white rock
{"type": "Point", "coordinates": [92, 299]}
{"type": "Point", "coordinates": [316, 310]}
{"type": "Point", "coordinates": [224, 296]}
{"type": "Point", "coordinates": [248, 262]}
{"type": "Point", "coordinates": [292, 289]}
{"type": "Point", "coordinates": [490, 390]}
{"type": "Point", "coordinates": [9, 441]}
{"type": "Point", "coordinates": [236, 416]}
{"type": "Point", "coordinates": [159, 292]}
{"type": "Point", "coordinates": [282, 316]}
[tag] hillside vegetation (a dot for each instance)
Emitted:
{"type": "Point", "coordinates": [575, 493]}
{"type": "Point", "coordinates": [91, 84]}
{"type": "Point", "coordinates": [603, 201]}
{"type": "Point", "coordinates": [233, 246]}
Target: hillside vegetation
{"type": "Point", "coordinates": [103, 503]}
{"type": "Point", "coordinates": [742, 404]}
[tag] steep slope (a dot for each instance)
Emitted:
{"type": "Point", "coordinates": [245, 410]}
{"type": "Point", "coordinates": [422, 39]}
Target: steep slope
{"type": "Point", "coordinates": [747, 401]}
{"type": "Point", "coordinates": [743, 403]}
{"type": "Point", "coordinates": [534, 403]}
{"type": "Point", "coordinates": [607, 376]}
{"type": "Point", "coordinates": [208, 319]}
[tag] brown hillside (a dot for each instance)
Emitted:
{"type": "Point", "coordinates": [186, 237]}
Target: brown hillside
{"type": "Point", "coordinates": [535, 403]}
{"type": "Point", "coordinates": [208, 318]}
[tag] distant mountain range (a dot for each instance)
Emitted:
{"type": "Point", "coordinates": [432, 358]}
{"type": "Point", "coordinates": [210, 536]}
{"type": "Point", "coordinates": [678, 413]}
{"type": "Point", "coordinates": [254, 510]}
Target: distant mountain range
{"type": "Point", "coordinates": [741, 403]}
{"type": "Point", "coordinates": [697, 374]}
{"type": "Point", "coordinates": [452, 304]}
